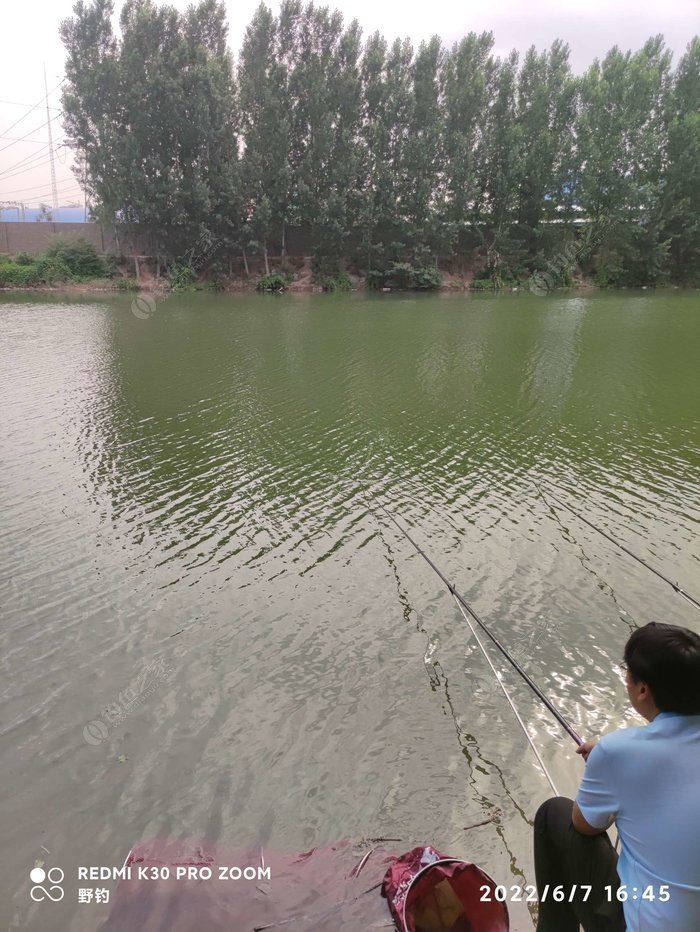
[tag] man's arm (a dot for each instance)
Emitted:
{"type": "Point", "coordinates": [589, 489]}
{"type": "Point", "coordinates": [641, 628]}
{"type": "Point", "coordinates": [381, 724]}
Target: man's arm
{"type": "Point", "coordinates": [585, 828]}
{"type": "Point", "coordinates": [596, 795]}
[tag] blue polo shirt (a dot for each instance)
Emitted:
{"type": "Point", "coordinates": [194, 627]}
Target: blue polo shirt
{"type": "Point", "coordinates": [648, 780]}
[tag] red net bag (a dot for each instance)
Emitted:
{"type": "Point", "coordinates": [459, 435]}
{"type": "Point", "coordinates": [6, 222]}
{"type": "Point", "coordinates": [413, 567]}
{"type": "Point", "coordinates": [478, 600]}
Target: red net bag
{"type": "Point", "coordinates": [430, 892]}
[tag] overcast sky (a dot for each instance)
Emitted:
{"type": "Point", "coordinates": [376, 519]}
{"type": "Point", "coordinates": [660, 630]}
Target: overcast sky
{"type": "Point", "coordinates": [30, 38]}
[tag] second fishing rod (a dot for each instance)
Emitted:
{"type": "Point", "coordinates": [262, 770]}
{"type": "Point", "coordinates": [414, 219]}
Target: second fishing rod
{"type": "Point", "coordinates": [462, 602]}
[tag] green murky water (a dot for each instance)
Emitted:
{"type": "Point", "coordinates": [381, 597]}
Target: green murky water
{"type": "Point", "coordinates": [209, 630]}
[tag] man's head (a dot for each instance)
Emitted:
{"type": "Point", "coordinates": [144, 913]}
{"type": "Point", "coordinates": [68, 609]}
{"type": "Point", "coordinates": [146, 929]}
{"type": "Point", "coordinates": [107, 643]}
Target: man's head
{"type": "Point", "coordinates": [663, 670]}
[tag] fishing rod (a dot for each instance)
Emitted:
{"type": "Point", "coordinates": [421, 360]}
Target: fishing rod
{"type": "Point", "coordinates": [507, 695]}
{"type": "Point", "coordinates": [461, 601]}
{"type": "Point", "coordinates": [674, 585]}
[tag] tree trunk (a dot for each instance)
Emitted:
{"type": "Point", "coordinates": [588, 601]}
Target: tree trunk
{"type": "Point", "coordinates": [157, 266]}
{"type": "Point", "coordinates": [245, 263]}
{"type": "Point", "coordinates": [284, 248]}
{"type": "Point", "coordinates": [136, 267]}
{"type": "Point", "coordinates": [267, 265]}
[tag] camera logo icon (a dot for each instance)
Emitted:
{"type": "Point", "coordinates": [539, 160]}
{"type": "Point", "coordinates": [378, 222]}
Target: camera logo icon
{"type": "Point", "coordinates": [54, 877]}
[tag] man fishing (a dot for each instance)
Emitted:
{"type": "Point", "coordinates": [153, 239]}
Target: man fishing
{"type": "Point", "coordinates": [645, 781]}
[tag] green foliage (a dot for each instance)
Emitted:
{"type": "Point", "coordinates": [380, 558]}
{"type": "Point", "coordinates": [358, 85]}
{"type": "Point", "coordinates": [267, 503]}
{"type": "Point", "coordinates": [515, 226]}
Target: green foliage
{"type": "Point", "coordinates": [181, 276]}
{"type": "Point", "coordinates": [339, 282]}
{"type": "Point", "coordinates": [484, 284]}
{"type": "Point", "coordinates": [112, 261]}
{"type": "Point", "coordinates": [20, 275]}
{"type": "Point", "coordinates": [289, 266]}
{"type": "Point", "coordinates": [275, 281]}
{"type": "Point", "coordinates": [51, 270]}
{"type": "Point", "coordinates": [375, 279]}
{"type": "Point", "coordinates": [43, 270]}
{"type": "Point", "coordinates": [402, 276]}
{"type": "Point", "coordinates": [327, 273]}
{"type": "Point", "coordinates": [609, 276]}
{"type": "Point", "coordinates": [217, 275]}
{"type": "Point", "coordinates": [151, 111]}
{"type": "Point", "coordinates": [215, 283]}
{"type": "Point", "coordinates": [499, 275]}
{"type": "Point", "coordinates": [387, 156]}
{"type": "Point", "coordinates": [23, 258]}
{"type": "Point", "coordinates": [428, 279]}
{"type": "Point", "coordinates": [77, 254]}
{"type": "Point", "coordinates": [680, 198]}
{"type": "Point", "coordinates": [126, 284]}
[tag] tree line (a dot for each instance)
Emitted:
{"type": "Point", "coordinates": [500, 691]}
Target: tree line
{"type": "Point", "coordinates": [381, 152]}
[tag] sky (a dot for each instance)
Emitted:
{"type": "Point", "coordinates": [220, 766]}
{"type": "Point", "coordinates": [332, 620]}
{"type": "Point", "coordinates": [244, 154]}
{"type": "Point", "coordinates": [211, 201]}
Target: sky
{"type": "Point", "coordinates": [30, 40]}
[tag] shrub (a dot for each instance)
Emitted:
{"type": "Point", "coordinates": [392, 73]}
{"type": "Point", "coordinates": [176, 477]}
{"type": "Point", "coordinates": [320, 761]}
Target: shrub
{"type": "Point", "coordinates": [401, 276]}
{"type": "Point", "coordinates": [495, 277]}
{"type": "Point", "coordinates": [50, 270]}
{"type": "Point", "coordinates": [324, 267]}
{"type": "Point", "coordinates": [180, 276]}
{"type": "Point", "coordinates": [338, 282]}
{"type": "Point", "coordinates": [427, 279]}
{"type": "Point", "coordinates": [375, 279]}
{"type": "Point", "coordinates": [404, 277]}
{"type": "Point", "coordinates": [287, 268]}
{"type": "Point", "coordinates": [79, 255]}
{"type": "Point", "coordinates": [609, 276]}
{"type": "Point", "coordinates": [275, 281]}
{"type": "Point", "coordinates": [217, 275]}
{"type": "Point", "coordinates": [21, 275]}
{"type": "Point", "coordinates": [127, 284]}
{"type": "Point", "coordinates": [216, 283]}
{"type": "Point", "coordinates": [483, 284]}
{"type": "Point", "coordinates": [23, 258]}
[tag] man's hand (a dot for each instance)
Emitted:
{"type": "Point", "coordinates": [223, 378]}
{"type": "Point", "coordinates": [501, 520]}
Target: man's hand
{"type": "Point", "coordinates": [585, 749]}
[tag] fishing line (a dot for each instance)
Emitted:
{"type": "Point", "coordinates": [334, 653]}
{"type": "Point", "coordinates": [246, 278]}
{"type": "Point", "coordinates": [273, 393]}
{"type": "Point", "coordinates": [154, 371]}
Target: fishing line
{"type": "Point", "coordinates": [462, 604]}
{"type": "Point", "coordinates": [513, 662]}
{"type": "Point", "coordinates": [674, 585]}
{"type": "Point", "coordinates": [510, 701]}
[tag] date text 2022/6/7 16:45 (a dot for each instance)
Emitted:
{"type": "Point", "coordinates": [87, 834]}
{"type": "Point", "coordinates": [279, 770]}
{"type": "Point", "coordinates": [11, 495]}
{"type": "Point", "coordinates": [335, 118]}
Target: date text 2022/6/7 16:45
{"type": "Point", "coordinates": [560, 893]}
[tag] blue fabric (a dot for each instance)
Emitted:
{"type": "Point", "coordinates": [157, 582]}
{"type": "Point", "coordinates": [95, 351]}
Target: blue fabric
{"type": "Point", "coordinates": [648, 780]}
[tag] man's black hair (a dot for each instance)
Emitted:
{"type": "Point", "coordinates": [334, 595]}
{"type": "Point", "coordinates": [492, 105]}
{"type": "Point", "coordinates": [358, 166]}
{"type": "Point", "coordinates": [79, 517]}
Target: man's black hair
{"type": "Point", "coordinates": [667, 659]}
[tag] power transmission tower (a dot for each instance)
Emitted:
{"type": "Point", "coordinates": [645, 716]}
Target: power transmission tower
{"type": "Point", "coordinates": [54, 192]}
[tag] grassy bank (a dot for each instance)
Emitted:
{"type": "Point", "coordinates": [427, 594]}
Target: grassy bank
{"type": "Point", "coordinates": [71, 264]}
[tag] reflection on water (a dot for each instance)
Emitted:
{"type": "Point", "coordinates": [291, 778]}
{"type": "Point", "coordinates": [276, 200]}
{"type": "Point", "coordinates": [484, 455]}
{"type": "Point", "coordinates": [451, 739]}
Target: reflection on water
{"type": "Point", "coordinates": [197, 489]}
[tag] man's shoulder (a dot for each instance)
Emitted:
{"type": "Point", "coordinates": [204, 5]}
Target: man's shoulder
{"type": "Point", "coordinates": [663, 729]}
{"type": "Point", "coordinates": [622, 739]}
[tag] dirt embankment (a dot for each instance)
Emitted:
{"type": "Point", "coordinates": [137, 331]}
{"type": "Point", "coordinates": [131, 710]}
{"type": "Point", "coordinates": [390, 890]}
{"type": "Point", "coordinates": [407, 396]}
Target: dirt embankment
{"type": "Point", "coordinates": [239, 279]}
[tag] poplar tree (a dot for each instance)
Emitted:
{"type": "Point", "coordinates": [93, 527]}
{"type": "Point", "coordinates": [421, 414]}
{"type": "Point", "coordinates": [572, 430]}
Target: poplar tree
{"type": "Point", "coordinates": [468, 80]}
{"type": "Point", "coordinates": [398, 107]}
{"type": "Point", "coordinates": [91, 105]}
{"type": "Point", "coordinates": [153, 115]}
{"type": "Point", "coordinates": [681, 182]}
{"type": "Point", "coordinates": [265, 129]}
{"type": "Point", "coordinates": [430, 230]}
{"type": "Point", "coordinates": [379, 154]}
{"type": "Point", "coordinates": [499, 167]}
{"type": "Point", "coordinates": [373, 155]}
{"type": "Point", "coordinates": [545, 111]}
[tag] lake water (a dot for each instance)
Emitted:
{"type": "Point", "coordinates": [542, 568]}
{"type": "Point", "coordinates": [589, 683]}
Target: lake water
{"type": "Point", "coordinates": [209, 628]}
